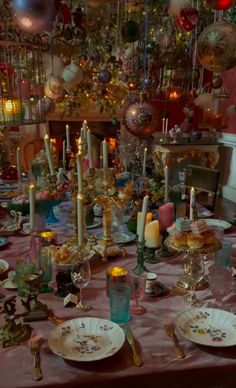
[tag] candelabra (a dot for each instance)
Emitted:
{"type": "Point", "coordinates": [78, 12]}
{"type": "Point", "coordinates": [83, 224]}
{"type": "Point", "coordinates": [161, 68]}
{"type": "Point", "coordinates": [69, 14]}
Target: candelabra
{"type": "Point", "coordinates": [106, 247]}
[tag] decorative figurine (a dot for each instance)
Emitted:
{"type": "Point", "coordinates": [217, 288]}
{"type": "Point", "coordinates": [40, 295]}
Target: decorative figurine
{"type": "Point", "coordinates": [12, 333]}
{"type": "Point", "coordinates": [35, 310]}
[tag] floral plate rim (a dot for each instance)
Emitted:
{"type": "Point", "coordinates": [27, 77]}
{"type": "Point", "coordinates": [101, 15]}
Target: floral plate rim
{"type": "Point", "coordinates": [207, 326]}
{"type": "Point", "coordinates": [86, 339]}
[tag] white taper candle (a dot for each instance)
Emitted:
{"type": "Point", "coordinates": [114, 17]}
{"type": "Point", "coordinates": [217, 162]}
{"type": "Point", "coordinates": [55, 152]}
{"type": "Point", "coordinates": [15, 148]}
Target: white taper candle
{"type": "Point", "coordinates": [80, 219]}
{"type": "Point", "coordinates": [32, 206]}
{"type": "Point", "coordinates": [90, 149]}
{"type": "Point", "coordinates": [143, 218]}
{"type": "Point", "coordinates": [49, 155]}
{"type": "Point", "coordinates": [79, 172]}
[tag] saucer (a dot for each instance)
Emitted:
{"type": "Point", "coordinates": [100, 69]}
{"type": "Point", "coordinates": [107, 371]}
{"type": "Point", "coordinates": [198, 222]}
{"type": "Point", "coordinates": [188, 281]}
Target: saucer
{"type": "Point", "coordinates": [159, 290]}
{"type": "Point", "coordinates": [9, 285]}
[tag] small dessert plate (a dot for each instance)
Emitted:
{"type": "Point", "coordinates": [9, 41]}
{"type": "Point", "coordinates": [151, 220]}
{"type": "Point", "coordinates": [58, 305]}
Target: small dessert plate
{"type": "Point", "coordinates": [9, 285]}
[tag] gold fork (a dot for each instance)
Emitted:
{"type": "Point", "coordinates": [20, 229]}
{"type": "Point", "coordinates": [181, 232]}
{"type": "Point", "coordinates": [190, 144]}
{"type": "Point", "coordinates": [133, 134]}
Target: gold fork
{"type": "Point", "coordinates": [35, 350]}
{"type": "Point", "coordinates": [170, 331]}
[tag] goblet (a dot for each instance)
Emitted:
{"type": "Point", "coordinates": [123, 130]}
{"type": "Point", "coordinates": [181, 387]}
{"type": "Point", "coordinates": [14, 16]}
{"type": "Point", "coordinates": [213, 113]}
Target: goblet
{"type": "Point", "coordinates": [220, 279]}
{"type": "Point", "coordinates": [138, 283]}
{"type": "Point", "coordinates": [195, 271]}
{"type": "Point", "coordinates": [45, 263]}
{"type": "Point", "coordinates": [80, 276]}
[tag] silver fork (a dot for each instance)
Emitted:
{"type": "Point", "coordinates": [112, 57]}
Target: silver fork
{"type": "Point", "coordinates": [35, 350]}
{"type": "Point", "coordinates": [170, 331]}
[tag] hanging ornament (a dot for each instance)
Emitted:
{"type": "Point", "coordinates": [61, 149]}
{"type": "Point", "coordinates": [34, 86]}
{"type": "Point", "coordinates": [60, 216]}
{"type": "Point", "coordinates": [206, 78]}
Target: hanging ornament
{"type": "Point", "coordinates": [104, 76]}
{"type": "Point", "coordinates": [187, 20]}
{"type": "Point", "coordinates": [54, 87]}
{"type": "Point", "coordinates": [216, 82]}
{"type": "Point", "coordinates": [72, 74]}
{"type": "Point", "coordinates": [34, 16]}
{"type": "Point", "coordinates": [176, 6]}
{"type": "Point", "coordinates": [216, 46]}
{"type": "Point", "coordinates": [141, 118]}
{"type": "Point", "coordinates": [130, 31]}
{"type": "Point", "coordinates": [221, 4]}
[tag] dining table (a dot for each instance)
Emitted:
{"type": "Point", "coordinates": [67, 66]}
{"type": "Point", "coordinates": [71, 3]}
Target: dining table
{"type": "Point", "coordinates": [203, 366]}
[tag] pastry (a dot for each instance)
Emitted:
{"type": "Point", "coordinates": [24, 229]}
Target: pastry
{"type": "Point", "coordinates": [179, 240]}
{"type": "Point", "coordinates": [209, 237]}
{"type": "Point", "coordinates": [199, 226]}
{"type": "Point", "coordinates": [195, 241]}
{"type": "Point", "coordinates": [182, 224]}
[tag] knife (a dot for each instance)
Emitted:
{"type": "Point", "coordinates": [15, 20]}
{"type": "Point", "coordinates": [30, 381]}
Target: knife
{"type": "Point", "coordinates": [130, 338]}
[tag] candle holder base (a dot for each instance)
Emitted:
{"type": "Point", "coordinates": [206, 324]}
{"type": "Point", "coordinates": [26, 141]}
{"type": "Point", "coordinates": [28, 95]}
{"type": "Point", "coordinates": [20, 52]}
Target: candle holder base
{"type": "Point", "coordinates": [151, 255]}
{"type": "Point", "coordinates": [108, 249]}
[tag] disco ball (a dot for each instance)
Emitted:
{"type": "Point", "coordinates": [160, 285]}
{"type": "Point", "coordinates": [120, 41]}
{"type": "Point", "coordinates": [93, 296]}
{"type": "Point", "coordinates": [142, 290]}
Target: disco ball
{"type": "Point", "coordinates": [141, 118]}
{"type": "Point", "coordinates": [216, 46]}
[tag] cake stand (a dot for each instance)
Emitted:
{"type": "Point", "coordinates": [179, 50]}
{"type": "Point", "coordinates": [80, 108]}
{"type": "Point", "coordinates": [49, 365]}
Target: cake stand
{"type": "Point", "coordinates": [192, 264]}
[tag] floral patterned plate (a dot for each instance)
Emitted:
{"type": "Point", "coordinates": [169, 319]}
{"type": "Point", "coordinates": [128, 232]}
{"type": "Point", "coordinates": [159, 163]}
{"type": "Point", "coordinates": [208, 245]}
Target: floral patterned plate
{"type": "Point", "coordinates": [208, 326]}
{"type": "Point", "coordinates": [86, 339]}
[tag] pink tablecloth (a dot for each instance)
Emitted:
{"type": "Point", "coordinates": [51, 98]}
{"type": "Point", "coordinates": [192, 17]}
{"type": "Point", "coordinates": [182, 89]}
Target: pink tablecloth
{"type": "Point", "coordinates": [203, 366]}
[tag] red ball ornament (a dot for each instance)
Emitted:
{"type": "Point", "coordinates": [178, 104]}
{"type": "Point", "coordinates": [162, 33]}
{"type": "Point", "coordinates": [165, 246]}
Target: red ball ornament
{"type": "Point", "coordinates": [188, 18]}
{"type": "Point", "coordinates": [221, 4]}
{"type": "Point", "coordinates": [141, 118]}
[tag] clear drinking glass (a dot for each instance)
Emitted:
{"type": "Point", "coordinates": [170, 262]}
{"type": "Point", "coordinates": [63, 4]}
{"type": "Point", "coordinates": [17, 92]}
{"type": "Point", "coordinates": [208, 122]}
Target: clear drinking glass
{"type": "Point", "coordinates": [220, 279]}
{"type": "Point", "coordinates": [80, 276]}
{"type": "Point", "coordinates": [138, 283]}
{"type": "Point", "coordinates": [45, 263]}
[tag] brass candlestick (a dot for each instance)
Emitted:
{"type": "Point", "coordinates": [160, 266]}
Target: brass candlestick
{"type": "Point", "coordinates": [106, 247]}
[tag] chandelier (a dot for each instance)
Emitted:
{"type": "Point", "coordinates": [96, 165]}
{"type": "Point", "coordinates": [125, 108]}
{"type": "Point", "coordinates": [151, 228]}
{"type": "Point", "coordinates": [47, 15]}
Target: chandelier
{"type": "Point", "coordinates": [21, 74]}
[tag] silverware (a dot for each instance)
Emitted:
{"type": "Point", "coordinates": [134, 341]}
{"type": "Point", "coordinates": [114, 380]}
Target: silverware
{"type": "Point", "coordinates": [170, 331]}
{"type": "Point", "coordinates": [130, 338]}
{"type": "Point", "coordinates": [56, 320]}
{"type": "Point", "coordinates": [35, 350]}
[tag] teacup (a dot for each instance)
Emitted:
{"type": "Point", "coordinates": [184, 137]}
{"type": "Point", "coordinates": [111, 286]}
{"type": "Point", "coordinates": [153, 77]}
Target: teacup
{"type": "Point", "coordinates": [26, 227]}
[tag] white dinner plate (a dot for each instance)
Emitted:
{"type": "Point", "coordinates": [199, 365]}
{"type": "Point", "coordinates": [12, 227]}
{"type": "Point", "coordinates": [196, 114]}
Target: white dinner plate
{"type": "Point", "coordinates": [3, 266]}
{"type": "Point", "coordinates": [86, 339]}
{"type": "Point", "coordinates": [3, 241]}
{"type": "Point", "coordinates": [208, 326]}
{"type": "Point", "coordinates": [213, 222]}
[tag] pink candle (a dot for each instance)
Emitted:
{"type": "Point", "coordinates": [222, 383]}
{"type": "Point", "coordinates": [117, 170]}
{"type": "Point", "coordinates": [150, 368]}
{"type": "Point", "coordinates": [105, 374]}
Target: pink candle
{"type": "Point", "coordinates": [166, 216]}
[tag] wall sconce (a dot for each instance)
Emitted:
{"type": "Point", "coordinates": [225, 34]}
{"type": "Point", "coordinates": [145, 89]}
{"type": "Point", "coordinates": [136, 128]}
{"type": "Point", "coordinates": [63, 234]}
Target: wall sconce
{"type": "Point", "coordinates": [12, 111]}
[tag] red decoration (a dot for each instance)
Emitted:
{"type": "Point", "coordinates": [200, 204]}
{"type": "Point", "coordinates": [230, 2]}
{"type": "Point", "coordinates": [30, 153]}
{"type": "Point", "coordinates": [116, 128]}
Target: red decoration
{"type": "Point", "coordinates": [9, 173]}
{"type": "Point", "coordinates": [221, 4]}
{"type": "Point", "coordinates": [187, 20]}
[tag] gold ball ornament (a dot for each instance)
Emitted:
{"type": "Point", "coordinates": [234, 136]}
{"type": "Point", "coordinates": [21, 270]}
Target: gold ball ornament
{"type": "Point", "coordinates": [216, 46]}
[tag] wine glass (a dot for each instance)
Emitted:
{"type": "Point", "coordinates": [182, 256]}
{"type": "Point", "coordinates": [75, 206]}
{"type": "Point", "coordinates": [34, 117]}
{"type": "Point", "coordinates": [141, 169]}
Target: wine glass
{"type": "Point", "coordinates": [220, 279]}
{"type": "Point", "coordinates": [138, 283]}
{"type": "Point", "coordinates": [80, 276]}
